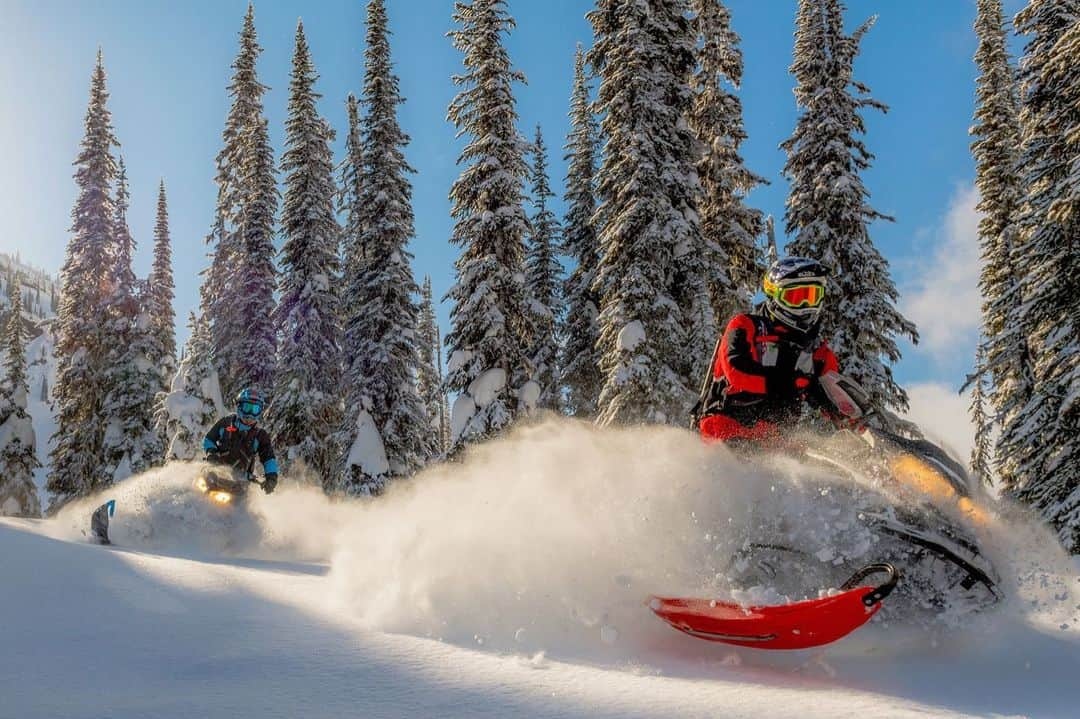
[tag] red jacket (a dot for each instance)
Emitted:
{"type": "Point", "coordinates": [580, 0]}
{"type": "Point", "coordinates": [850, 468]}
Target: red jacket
{"type": "Point", "coordinates": [762, 372]}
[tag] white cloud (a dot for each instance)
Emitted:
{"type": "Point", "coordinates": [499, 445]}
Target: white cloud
{"type": "Point", "coordinates": [944, 300]}
{"type": "Point", "coordinates": [942, 414]}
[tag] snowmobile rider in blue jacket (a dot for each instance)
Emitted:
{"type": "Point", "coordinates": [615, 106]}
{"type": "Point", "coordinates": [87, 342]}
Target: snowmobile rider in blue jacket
{"type": "Point", "coordinates": [236, 440]}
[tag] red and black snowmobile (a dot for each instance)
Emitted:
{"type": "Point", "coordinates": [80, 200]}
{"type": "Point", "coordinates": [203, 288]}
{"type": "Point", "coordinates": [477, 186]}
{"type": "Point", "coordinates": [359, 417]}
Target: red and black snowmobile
{"type": "Point", "coordinates": [880, 515]}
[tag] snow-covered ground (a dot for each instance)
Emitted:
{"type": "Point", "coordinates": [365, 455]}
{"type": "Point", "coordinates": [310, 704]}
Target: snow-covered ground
{"type": "Point", "coordinates": [509, 585]}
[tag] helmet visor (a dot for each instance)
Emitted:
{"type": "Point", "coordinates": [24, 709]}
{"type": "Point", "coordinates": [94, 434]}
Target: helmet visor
{"type": "Point", "coordinates": [796, 296]}
{"type": "Point", "coordinates": [248, 408]}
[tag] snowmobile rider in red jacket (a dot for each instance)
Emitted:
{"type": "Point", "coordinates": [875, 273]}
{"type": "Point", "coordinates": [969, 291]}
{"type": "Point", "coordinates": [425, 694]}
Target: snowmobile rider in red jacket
{"type": "Point", "coordinates": [768, 363]}
{"type": "Point", "coordinates": [236, 440]}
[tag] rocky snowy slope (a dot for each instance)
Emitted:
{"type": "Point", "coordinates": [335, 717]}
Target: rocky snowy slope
{"type": "Point", "coordinates": [512, 584]}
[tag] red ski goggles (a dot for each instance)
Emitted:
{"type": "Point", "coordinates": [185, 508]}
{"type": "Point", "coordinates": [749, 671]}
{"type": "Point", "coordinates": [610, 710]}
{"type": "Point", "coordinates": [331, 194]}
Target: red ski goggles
{"type": "Point", "coordinates": [810, 294]}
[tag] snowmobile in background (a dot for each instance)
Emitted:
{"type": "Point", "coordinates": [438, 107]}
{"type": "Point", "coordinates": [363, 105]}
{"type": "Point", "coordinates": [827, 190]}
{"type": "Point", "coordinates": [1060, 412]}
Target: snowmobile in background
{"type": "Point", "coordinates": [221, 492]}
{"type": "Point", "coordinates": [909, 508]}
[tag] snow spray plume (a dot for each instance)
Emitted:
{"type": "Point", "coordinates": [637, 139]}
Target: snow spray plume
{"type": "Point", "coordinates": [159, 510]}
{"type": "Point", "coordinates": [555, 534]}
{"type": "Point", "coordinates": [552, 538]}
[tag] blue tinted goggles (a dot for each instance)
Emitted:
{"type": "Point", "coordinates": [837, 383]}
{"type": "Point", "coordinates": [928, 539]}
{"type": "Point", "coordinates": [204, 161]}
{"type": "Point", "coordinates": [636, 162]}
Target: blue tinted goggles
{"type": "Point", "coordinates": [249, 409]}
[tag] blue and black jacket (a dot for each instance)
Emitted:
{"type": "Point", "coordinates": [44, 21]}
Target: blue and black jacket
{"type": "Point", "coordinates": [233, 443]}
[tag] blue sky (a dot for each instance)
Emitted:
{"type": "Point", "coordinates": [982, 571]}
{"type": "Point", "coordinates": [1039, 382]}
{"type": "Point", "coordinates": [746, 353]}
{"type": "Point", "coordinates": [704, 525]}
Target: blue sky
{"type": "Point", "coordinates": [168, 65]}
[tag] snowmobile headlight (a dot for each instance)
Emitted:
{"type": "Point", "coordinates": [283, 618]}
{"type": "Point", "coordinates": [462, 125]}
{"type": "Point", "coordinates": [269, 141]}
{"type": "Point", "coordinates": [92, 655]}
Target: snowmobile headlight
{"type": "Point", "coordinates": [221, 497]}
{"type": "Point", "coordinates": [200, 484]}
{"type": "Point", "coordinates": [974, 512]}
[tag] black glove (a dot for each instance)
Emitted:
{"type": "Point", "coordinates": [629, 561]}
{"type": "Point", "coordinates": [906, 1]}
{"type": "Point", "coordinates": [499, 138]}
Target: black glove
{"type": "Point", "coordinates": [213, 456]}
{"type": "Point", "coordinates": [269, 483]}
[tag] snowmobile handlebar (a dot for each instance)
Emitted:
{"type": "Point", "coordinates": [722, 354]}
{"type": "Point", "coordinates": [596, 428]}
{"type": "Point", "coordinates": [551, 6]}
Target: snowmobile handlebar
{"type": "Point", "coordinates": [882, 590]}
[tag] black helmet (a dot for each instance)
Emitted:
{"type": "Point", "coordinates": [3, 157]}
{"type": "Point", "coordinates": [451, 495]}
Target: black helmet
{"type": "Point", "coordinates": [795, 291]}
{"type": "Point", "coordinates": [249, 405]}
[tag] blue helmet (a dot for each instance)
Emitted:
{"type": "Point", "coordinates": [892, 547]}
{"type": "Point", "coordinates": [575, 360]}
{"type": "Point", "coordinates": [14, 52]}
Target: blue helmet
{"type": "Point", "coordinates": [250, 404]}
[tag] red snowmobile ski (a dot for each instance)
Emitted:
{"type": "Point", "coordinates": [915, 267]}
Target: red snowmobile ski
{"type": "Point", "coordinates": [800, 625]}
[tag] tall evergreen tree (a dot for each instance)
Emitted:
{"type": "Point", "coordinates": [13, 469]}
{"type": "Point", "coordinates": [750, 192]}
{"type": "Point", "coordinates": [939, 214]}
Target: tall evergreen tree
{"type": "Point", "coordinates": [488, 364]}
{"type": "Point", "coordinates": [239, 293]}
{"type": "Point", "coordinates": [1004, 357]}
{"type": "Point", "coordinates": [654, 304]}
{"type": "Point", "coordinates": [18, 452]}
{"type": "Point", "coordinates": [80, 342]}
{"type": "Point", "coordinates": [382, 336]}
{"type": "Point", "coordinates": [1046, 463]}
{"type": "Point", "coordinates": [981, 452]}
{"type": "Point", "coordinates": [429, 376]}
{"type": "Point", "coordinates": [162, 289]}
{"type": "Point", "coordinates": [193, 404]}
{"type": "Point", "coordinates": [350, 185]}
{"type": "Point", "coordinates": [580, 362]}
{"type": "Point", "coordinates": [543, 282]}
{"type": "Point", "coordinates": [305, 410]}
{"type": "Point", "coordinates": [256, 301]}
{"type": "Point", "coordinates": [827, 209]}
{"type": "Point", "coordinates": [132, 375]}
{"type": "Point", "coordinates": [444, 400]}
{"type": "Point", "coordinates": [729, 227]}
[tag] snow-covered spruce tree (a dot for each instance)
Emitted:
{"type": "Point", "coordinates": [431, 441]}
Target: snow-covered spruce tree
{"type": "Point", "coordinates": [18, 458]}
{"type": "Point", "coordinates": [193, 404]}
{"type": "Point", "coordinates": [429, 374]}
{"type": "Point", "coordinates": [580, 360]}
{"type": "Point", "coordinates": [162, 290]}
{"type": "Point", "coordinates": [76, 467]}
{"type": "Point", "coordinates": [729, 227]}
{"type": "Point", "coordinates": [239, 286]}
{"type": "Point", "coordinates": [350, 183]}
{"type": "Point", "coordinates": [543, 282]}
{"type": "Point", "coordinates": [444, 398]}
{"type": "Point", "coordinates": [1046, 463]}
{"type": "Point", "coordinates": [982, 451]}
{"type": "Point", "coordinates": [827, 210]}
{"type": "Point", "coordinates": [132, 372]}
{"type": "Point", "coordinates": [305, 407]}
{"type": "Point", "coordinates": [353, 258]}
{"type": "Point", "coordinates": [488, 366]}
{"type": "Point", "coordinates": [381, 332]}
{"type": "Point", "coordinates": [258, 275]}
{"type": "Point", "coordinates": [1003, 371]}
{"type": "Point", "coordinates": [653, 302]}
